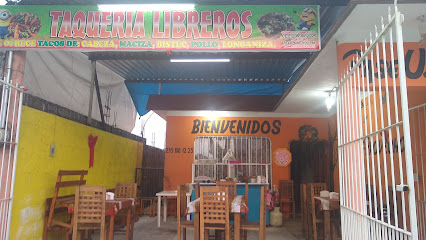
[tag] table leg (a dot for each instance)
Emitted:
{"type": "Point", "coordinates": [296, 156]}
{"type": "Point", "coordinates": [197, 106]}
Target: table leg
{"type": "Point", "coordinates": [196, 225]}
{"type": "Point", "coordinates": [128, 222]}
{"type": "Point", "coordinates": [237, 219]}
{"type": "Point", "coordinates": [327, 225]}
{"type": "Point", "coordinates": [165, 209]}
{"type": "Point", "coordinates": [158, 211]}
{"type": "Point", "coordinates": [187, 203]}
{"type": "Point", "coordinates": [111, 228]}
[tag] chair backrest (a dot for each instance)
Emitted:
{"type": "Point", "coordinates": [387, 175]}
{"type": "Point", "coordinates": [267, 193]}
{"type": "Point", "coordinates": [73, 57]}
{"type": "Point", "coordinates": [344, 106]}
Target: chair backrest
{"type": "Point", "coordinates": [125, 190]}
{"type": "Point", "coordinates": [197, 190]}
{"type": "Point", "coordinates": [61, 184]}
{"type": "Point", "coordinates": [89, 206]}
{"type": "Point", "coordinates": [214, 205]}
{"type": "Point", "coordinates": [316, 188]}
{"type": "Point", "coordinates": [181, 202]}
{"type": "Point", "coordinates": [286, 190]}
{"type": "Point", "coordinates": [232, 188]}
{"type": "Point", "coordinates": [313, 189]}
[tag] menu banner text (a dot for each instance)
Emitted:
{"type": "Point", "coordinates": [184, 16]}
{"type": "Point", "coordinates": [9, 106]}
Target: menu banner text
{"type": "Point", "coordinates": [205, 28]}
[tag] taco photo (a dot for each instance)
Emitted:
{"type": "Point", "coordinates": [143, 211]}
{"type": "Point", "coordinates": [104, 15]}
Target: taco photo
{"type": "Point", "coordinates": [272, 24]}
{"type": "Point", "coordinates": [24, 25]}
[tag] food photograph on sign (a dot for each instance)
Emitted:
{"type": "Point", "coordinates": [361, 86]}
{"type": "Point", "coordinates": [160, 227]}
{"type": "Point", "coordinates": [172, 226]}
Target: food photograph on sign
{"type": "Point", "coordinates": [204, 28]}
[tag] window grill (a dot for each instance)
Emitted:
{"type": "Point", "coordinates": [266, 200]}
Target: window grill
{"type": "Point", "coordinates": [221, 157]}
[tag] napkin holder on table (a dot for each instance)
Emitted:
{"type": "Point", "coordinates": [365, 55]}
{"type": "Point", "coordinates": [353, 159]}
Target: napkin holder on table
{"type": "Point", "coordinates": [109, 196]}
{"type": "Point", "coordinates": [325, 194]}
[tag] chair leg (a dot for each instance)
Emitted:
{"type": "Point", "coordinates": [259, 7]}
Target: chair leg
{"type": "Point", "coordinates": [217, 234]}
{"type": "Point", "coordinates": [184, 233]}
{"type": "Point", "coordinates": [45, 227]}
{"type": "Point", "coordinates": [152, 207]}
{"type": "Point", "coordinates": [262, 233]}
{"type": "Point", "coordinates": [79, 233]}
{"type": "Point", "coordinates": [205, 235]}
{"type": "Point", "coordinates": [315, 231]}
{"type": "Point", "coordinates": [294, 210]}
{"type": "Point", "coordinates": [89, 234]}
{"type": "Point", "coordinates": [179, 234]}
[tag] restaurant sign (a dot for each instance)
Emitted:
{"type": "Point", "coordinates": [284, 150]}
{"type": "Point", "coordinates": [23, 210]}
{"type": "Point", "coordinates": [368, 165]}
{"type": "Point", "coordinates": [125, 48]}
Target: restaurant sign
{"type": "Point", "coordinates": [204, 28]}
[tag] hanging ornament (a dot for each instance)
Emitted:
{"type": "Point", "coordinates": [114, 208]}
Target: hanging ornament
{"type": "Point", "coordinates": [169, 52]}
{"type": "Point", "coordinates": [308, 133]}
{"type": "Point", "coordinates": [92, 143]}
{"type": "Point", "coordinates": [282, 157]}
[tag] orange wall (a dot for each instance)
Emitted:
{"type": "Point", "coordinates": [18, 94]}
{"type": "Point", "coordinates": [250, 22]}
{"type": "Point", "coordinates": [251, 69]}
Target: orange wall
{"type": "Point", "coordinates": [178, 166]}
{"type": "Point", "coordinates": [415, 63]}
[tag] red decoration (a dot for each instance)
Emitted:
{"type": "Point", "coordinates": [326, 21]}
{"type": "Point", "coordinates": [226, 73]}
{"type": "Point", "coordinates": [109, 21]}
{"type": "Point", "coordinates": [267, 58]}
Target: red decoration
{"type": "Point", "coordinates": [169, 52]}
{"type": "Point", "coordinates": [92, 143]}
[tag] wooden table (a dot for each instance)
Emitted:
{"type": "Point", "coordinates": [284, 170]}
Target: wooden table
{"type": "Point", "coordinates": [112, 207]}
{"type": "Point", "coordinates": [238, 206]}
{"type": "Point", "coordinates": [166, 194]}
{"type": "Point", "coordinates": [326, 205]}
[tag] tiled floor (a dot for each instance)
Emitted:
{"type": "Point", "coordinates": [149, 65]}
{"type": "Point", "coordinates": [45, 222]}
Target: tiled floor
{"type": "Point", "coordinates": [146, 228]}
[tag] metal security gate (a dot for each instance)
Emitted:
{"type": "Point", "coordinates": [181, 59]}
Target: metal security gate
{"type": "Point", "coordinates": [418, 135]}
{"type": "Point", "coordinates": [375, 159]}
{"type": "Point", "coordinates": [10, 117]}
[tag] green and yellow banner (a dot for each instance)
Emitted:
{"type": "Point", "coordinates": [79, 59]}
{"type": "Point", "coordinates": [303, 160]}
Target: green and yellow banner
{"type": "Point", "coordinates": [203, 28]}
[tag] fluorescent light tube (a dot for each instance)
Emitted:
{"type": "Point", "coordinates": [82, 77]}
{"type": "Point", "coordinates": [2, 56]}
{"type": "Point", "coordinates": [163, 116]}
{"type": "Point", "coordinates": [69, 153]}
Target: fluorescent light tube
{"type": "Point", "coordinates": [199, 60]}
{"type": "Point", "coordinates": [145, 7]}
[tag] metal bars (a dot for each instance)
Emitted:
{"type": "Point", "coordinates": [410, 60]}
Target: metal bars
{"type": "Point", "coordinates": [11, 106]}
{"type": "Point", "coordinates": [374, 144]}
{"type": "Point", "coordinates": [418, 135]}
{"type": "Point", "coordinates": [212, 156]}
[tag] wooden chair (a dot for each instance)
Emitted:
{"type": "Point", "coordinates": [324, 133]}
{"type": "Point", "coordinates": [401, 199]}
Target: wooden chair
{"type": "Point", "coordinates": [148, 205]}
{"type": "Point", "coordinates": [197, 190]}
{"type": "Point", "coordinates": [245, 218]}
{"type": "Point", "coordinates": [313, 189]}
{"type": "Point", "coordinates": [126, 190]}
{"type": "Point", "coordinates": [232, 192]}
{"type": "Point", "coordinates": [261, 225]}
{"type": "Point", "coordinates": [214, 211]}
{"type": "Point", "coordinates": [286, 191]}
{"type": "Point", "coordinates": [303, 209]}
{"type": "Point", "coordinates": [182, 223]}
{"type": "Point", "coordinates": [56, 205]}
{"type": "Point", "coordinates": [89, 210]}
{"type": "Point", "coordinates": [232, 188]}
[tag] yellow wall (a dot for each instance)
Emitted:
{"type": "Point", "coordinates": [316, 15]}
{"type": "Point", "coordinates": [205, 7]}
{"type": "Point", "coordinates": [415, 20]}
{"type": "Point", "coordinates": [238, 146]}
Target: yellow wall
{"type": "Point", "coordinates": [115, 161]}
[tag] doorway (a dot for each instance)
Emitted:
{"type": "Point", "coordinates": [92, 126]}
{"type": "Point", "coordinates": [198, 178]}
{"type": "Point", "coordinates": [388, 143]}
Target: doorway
{"type": "Point", "coordinates": [309, 164]}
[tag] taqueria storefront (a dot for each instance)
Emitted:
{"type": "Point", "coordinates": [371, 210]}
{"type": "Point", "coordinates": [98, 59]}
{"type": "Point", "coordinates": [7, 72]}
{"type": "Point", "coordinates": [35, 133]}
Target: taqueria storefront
{"type": "Point", "coordinates": [251, 147]}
